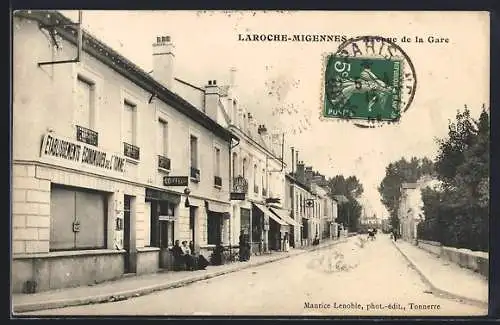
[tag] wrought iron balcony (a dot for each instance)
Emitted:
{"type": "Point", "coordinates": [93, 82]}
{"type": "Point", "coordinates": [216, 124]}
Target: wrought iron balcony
{"type": "Point", "coordinates": [87, 135]}
{"type": "Point", "coordinates": [195, 174]}
{"type": "Point", "coordinates": [164, 162]}
{"type": "Point", "coordinates": [218, 181]}
{"type": "Point", "coordinates": [131, 151]}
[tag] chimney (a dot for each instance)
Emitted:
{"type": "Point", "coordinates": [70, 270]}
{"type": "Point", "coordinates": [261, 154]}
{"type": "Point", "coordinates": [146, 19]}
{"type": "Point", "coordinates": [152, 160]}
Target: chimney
{"type": "Point", "coordinates": [308, 175]}
{"type": "Point", "coordinates": [232, 77]}
{"type": "Point", "coordinates": [293, 161]}
{"type": "Point", "coordinates": [163, 61]}
{"type": "Point", "coordinates": [212, 96]}
{"type": "Point", "coordinates": [300, 175]}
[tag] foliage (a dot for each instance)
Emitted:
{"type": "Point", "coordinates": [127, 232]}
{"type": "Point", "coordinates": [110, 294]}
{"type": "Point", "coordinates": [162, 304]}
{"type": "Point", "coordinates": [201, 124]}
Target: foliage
{"type": "Point", "coordinates": [397, 173]}
{"type": "Point", "coordinates": [352, 189]}
{"type": "Point", "coordinates": [458, 214]}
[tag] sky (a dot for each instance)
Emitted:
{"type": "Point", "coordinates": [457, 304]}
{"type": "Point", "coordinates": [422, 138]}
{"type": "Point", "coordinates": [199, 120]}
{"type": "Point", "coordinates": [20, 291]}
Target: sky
{"type": "Point", "coordinates": [280, 82]}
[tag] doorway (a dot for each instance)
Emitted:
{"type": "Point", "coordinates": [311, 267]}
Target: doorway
{"type": "Point", "coordinates": [192, 224]}
{"type": "Point", "coordinates": [126, 233]}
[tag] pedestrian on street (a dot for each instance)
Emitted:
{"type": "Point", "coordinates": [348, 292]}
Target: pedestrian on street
{"type": "Point", "coordinates": [244, 252]}
{"type": "Point", "coordinates": [217, 257]}
{"type": "Point", "coordinates": [190, 260]}
{"type": "Point", "coordinates": [286, 244]}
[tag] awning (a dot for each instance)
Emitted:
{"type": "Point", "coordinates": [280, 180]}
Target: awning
{"type": "Point", "coordinates": [217, 207]}
{"type": "Point", "coordinates": [153, 194]}
{"type": "Point", "coordinates": [284, 214]}
{"type": "Point", "coordinates": [271, 215]}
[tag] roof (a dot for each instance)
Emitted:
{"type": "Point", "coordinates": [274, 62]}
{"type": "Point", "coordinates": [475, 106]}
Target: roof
{"type": "Point", "coordinates": [67, 30]}
{"type": "Point", "coordinates": [297, 182]}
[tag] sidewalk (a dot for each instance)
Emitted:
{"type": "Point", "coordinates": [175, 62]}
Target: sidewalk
{"type": "Point", "coordinates": [135, 286]}
{"type": "Point", "coordinates": [445, 278]}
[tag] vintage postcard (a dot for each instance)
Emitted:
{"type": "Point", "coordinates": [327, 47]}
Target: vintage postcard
{"type": "Point", "coordinates": [252, 163]}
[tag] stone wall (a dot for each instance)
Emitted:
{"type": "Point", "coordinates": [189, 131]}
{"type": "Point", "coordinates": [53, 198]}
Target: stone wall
{"type": "Point", "coordinates": [466, 258]}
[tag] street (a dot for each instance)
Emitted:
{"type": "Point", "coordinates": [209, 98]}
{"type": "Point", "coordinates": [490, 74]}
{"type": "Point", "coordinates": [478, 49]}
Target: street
{"type": "Point", "coordinates": [369, 278]}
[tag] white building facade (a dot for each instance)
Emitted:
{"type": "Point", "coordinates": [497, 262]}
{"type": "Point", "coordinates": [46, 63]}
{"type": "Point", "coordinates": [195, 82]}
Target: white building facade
{"type": "Point", "coordinates": [109, 165]}
{"type": "Point", "coordinates": [258, 160]}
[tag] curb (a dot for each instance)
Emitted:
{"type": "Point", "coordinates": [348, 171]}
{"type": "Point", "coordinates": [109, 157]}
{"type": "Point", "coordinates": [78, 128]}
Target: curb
{"type": "Point", "coordinates": [438, 291]}
{"type": "Point", "coordinates": [112, 297]}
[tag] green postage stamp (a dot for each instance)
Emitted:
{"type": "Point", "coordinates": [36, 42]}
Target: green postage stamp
{"type": "Point", "coordinates": [368, 79]}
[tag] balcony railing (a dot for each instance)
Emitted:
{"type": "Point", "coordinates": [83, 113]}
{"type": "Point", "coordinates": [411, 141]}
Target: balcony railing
{"type": "Point", "coordinates": [218, 181]}
{"type": "Point", "coordinates": [131, 151]}
{"type": "Point", "coordinates": [87, 135]}
{"type": "Point", "coordinates": [164, 162]}
{"type": "Point", "coordinates": [195, 174]}
{"type": "Point", "coordinates": [264, 192]}
{"type": "Point", "coordinates": [256, 189]}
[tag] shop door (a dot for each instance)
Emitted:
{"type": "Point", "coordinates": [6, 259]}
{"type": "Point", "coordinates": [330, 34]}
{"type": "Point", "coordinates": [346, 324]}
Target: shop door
{"type": "Point", "coordinates": [192, 224]}
{"type": "Point", "coordinates": [78, 219]}
{"type": "Point", "coordinates": [126, 232]}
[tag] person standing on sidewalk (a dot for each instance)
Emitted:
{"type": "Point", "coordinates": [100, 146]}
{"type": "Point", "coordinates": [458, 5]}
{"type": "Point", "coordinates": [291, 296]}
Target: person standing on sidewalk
{"type": "Point", "coordinates": [286, 244]}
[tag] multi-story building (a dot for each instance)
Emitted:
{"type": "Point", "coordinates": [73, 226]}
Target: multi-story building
{"type": "Point", "coordinates": [410, 211]}
{"type": "Point", "coordinates": [257, 161]}
{"type": "Point", "coordinates": [110, 165]}
{"type": "Point", "coordinates": [306, 209]}
{"type": "Point", "coordinates": [327, 208]}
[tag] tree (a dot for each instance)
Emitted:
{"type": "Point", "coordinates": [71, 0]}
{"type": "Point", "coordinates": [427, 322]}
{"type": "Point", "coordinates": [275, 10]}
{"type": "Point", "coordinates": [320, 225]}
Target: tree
{"type": "Point", "coordinates": [460, 217]}
{"type": "Point", "coordinates": [352, 189]}
{"type": "Point", "coordinates": [397, 173]}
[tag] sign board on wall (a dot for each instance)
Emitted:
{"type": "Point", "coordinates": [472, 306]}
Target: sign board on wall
{"type": "Point", "coordinates": [74, 154]}
{"type": "Point", "coordinates": [237, 196]}
{"type": "Point", "coordinates": [167, 218]}
{"type": "Point", "coordinates": [175, 181]}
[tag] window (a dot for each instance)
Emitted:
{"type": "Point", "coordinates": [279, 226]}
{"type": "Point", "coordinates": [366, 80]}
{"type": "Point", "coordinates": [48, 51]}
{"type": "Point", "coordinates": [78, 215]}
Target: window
{"type": "Point", "coordinates": [78, 219]}
{"type": "Point", "coordinates": [129, 122]}
{"type": "Point", "coordinates": [263, 184]}
{"type": "Point", "coordinates": [217, 173]}
{"type": "Point", "coordinates": [194, 151]}
{"type": "Point", "coordinates": [163, 138]}
{"type": "Point", "coordinates": [235, 164]}
{"type": "Point", "coordinates": [244, 167]}
{"type": "Point", "coordinates": [84, 102]}
{"type": "Point", "coordinates": [217, 162]}
{"type": "Point", "coordinates": [255, 178]}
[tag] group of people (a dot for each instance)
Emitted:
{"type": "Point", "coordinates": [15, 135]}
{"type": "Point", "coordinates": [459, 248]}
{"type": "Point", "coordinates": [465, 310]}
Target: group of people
{"type": "Point", "coordinates": [185, 256]}
{"type": "Point", "coordinates": [371, 233]}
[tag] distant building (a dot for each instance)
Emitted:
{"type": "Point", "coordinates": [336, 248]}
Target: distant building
{"type": "Point", "coordinates": [410, 212]}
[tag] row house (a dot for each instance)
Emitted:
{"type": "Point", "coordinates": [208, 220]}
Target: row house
{"type": "Point", "coordinates": [256, 167]}
{"type": "Point", "coordinates": [306, 208]}
{"type": "Point", "coordinates": [311, 203]}
{"type": "Point", "coordinates": [110, 164]}
{"type": "Point", "coordinates": [258, 172]}
{"type": "Point", "coordinates": [327, 208]}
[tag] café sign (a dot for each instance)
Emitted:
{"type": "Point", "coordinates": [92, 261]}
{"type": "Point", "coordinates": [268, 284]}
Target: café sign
{"type": "Point", "coordinates": [76, 154]}
{"type": "Point", "coordinates": [175, 181]}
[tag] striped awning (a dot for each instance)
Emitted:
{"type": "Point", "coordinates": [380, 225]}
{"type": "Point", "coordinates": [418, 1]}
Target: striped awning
{"type": "Point", "coordinates": [271, 215]}
{"type": "Point", "coordinates": [284, 214]}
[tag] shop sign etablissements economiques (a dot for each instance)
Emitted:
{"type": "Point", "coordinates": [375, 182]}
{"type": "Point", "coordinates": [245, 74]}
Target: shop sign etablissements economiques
{"type": "Point", "coordinates": [74, 154]}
